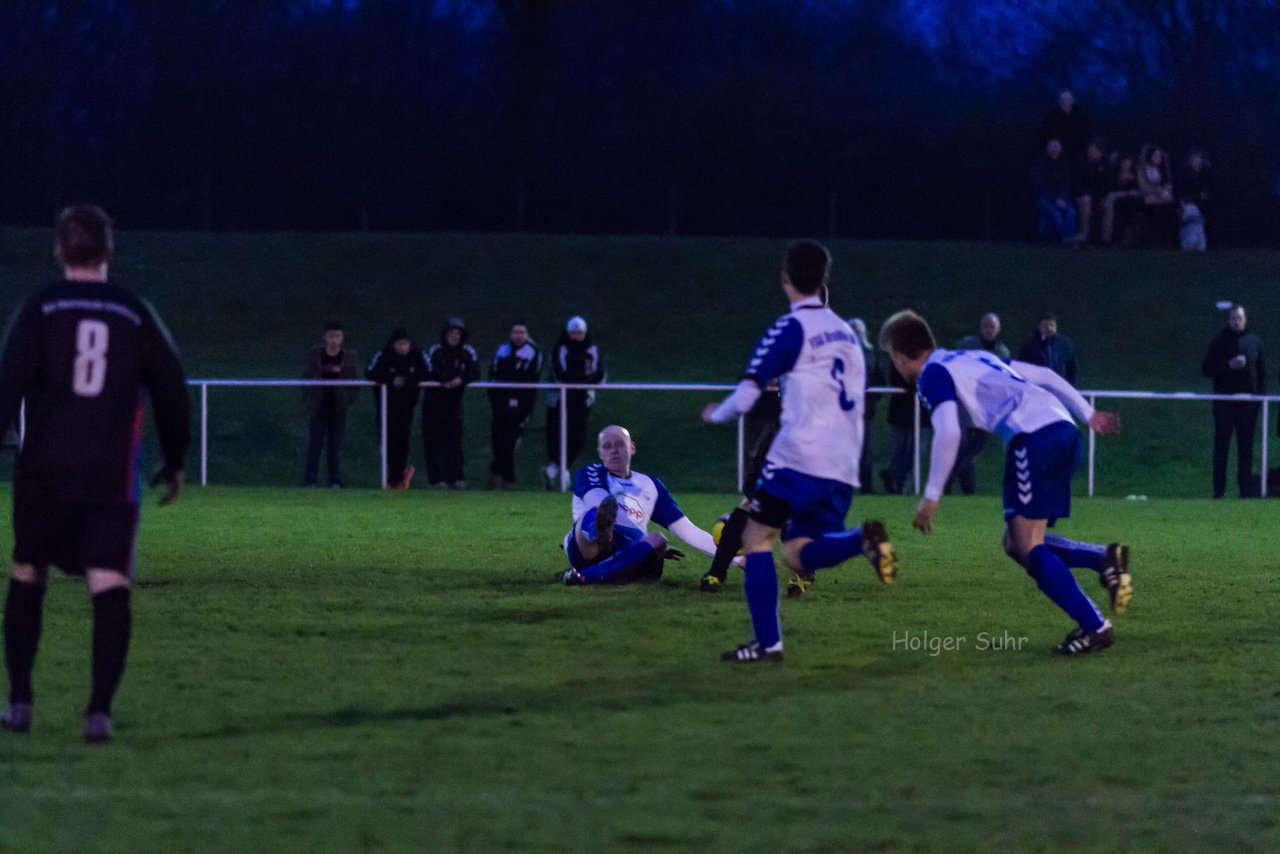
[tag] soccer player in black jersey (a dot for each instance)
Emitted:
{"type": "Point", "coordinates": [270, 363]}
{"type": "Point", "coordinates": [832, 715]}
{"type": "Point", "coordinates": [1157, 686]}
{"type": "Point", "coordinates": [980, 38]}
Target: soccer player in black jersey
{"type": "Point", "coordinates": [80, 356]}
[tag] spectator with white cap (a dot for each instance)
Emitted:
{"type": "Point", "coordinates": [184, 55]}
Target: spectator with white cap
{"type": "Point", "coordinates": [574, 359]}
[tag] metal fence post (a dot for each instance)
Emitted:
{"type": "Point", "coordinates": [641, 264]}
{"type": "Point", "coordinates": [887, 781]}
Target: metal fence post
{"type": "Point", "coordinates": [742, 448]}
{"type": "Point", "coordinates": [204, 434]}
{"type": "Point", "coordinates": [382, 437]}
{"type": "Point", "coordinates": [916, 427]}
{"type": "Point", "coordinates": [1266, 419]}
{"type": "Point", "coordinates": [1093, 444]}
{"type": "Point", "coordinates": [564, 439]}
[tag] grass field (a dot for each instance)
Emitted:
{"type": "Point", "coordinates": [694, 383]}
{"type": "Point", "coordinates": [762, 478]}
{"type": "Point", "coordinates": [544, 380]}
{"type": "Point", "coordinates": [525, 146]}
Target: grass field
{"type": "Point", "coordinates": [326, 671]}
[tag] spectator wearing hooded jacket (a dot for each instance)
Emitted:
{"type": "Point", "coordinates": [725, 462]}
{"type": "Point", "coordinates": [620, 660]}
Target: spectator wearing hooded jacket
{"type": "Point", "coordinates": [327, 405]}
{"type": "Point", "coordinates": [574, 359]}
{"type": "Point", "coordinates": [453, 363]}
{"type": "Point", "coordinates": [518, 360]}
{"type": "Point", "coordinates": [399, 366]}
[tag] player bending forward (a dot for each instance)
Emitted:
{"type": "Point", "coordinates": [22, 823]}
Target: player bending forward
{"type": "Point", "coordinates": [1027, 407]}
{"type": "Point", "coordinates": [811, 468]}
{"type": "Point", "coordinates": [610, 542]}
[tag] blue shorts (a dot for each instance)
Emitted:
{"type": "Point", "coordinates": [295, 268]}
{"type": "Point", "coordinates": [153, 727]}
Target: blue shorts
{"type": "Point", "coordinates": [622, 535]}
{"type": "Point", "coordinates": [810, 506]}
{"type": "Point", "coordinates": [1037, 472]}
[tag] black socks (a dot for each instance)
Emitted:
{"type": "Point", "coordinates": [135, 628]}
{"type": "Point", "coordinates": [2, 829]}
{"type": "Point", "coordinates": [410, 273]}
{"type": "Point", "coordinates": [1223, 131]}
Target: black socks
{"type": "Point", "coordinates": [22, 614]}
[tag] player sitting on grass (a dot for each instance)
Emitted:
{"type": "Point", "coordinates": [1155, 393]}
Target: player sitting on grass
{"type": "Point", "coordinates": [811, 469]}
{"type": "Point", "coordinates": [1026, 406]}
{"type": "Point", "coordinates": [609, 542]}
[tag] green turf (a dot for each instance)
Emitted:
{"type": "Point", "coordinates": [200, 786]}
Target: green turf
{"type": "Point", "coordinates": [665, 309]}
{"type": "Point", "coordinates": [336, 671]}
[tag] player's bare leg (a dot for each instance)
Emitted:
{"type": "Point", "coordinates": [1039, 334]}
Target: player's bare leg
{"type": "Point", "coordinates": [112, 626]}
{"type": "Point", "coordinates": [806, 555]}
{"type": "Point", "coordinates": [23, 612]}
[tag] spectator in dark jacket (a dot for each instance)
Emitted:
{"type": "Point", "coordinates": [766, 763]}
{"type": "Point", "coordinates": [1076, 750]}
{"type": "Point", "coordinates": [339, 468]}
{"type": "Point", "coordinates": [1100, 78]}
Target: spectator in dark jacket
{"type": "Point", "coordinates": [1067, 124]}
{"type": "Point", "coordinates": [1235, 364]}
{"type": "Point", "coordinates": [1094, 180]}
{"type": "Point", "coordinates": [902, 422]}
{"type": "Point", "coordinates": [1055, 194]}
{"type": "Point", "coordinates": [875, 377]}
{"type": "Point", "coordinates": [327, 405]}
{"type": "Point", "coordinates": [1192, 189]}
{"type": "Point", "coordinates": [452, 363]}
{"type": "Point", "coordinates": [518, 360]}
{"type": "Point", "coordinates": [398, 367]}
{"type": "Point", "coordinates": [575, 359]}
{"type": "Point", "coordinates": [1046, 347]}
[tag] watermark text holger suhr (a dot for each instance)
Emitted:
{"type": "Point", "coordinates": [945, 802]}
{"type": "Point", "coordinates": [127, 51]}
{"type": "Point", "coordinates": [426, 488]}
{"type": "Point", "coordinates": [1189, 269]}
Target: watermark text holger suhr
{"type": "Point", "coordinates": [936, 644]}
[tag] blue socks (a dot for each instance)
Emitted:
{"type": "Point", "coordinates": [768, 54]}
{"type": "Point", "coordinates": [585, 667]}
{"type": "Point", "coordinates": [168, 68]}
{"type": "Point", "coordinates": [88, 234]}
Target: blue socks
{"type": "Point", "coordinates": [831, 549]}
{"type": "Point", "coordinates": [1056, 581]}
{"type": "Point", "coordinates": [760, 583]}
{"type": "Point", "coordinates": [624, 558]}
{"type": "Point", "coordinates": [1074, 553]}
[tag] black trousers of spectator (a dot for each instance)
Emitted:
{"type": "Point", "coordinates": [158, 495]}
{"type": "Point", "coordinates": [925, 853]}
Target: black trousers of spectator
{"type": "Point", "coordinates": [442, 440]}
{"type": "Point", "coordinates": [399, 434]}
{"type": "Point", "coordinates": [865, 463]}
{"type": "Point", "coordinates": [965, 473]}
{"type": "Point", "coordinates": [576, 431]}
{"type": "Point", "coordinates": [507, 430]}
{"type": "Point", "coordinates": [1241, 419]}
{"type": "Point", "coordinates": [325, 430]}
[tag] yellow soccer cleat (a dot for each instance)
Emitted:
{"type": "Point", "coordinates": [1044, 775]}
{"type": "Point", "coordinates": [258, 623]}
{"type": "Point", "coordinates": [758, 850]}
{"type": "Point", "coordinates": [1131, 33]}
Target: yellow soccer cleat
{"type": "Point", "coordinates": [879, 551]}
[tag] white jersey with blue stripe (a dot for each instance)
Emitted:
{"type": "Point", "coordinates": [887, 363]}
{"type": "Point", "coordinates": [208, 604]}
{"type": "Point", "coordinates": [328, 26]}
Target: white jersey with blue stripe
{"type": "Point", "coordinates": [824, 380]}
{"type": "Point", "coordinates": [993, 395]}
{"type": "Point", "coordinates": [641, 498]}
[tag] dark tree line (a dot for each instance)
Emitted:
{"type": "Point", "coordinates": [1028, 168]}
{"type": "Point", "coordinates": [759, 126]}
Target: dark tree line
{"type": "Point", "coordinates": [876, 118]}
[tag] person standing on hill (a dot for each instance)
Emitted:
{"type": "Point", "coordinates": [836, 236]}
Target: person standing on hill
{"type": "Point", "coordinates": [81, 356]}
{"type": "Point", "coordinates": [574, 359]}
{"type": "Point", "coordinates": [328, 405]}
{"type": "Point", "coordinates": [518, 360]}
{"type": "Point", "coordinates": [1235, 363]}
{"type": "Point", "coordinates": [399, 366]}
{"type": "Point", "coordinates": [454, 364]}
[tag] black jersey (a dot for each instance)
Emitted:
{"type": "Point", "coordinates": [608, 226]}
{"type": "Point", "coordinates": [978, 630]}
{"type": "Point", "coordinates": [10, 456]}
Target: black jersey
{"type": "Point", "coordinates": [84, 356]}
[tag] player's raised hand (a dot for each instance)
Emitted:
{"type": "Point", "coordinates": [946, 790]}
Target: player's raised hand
{"type": "Point", "coordinates": [172, 479]}
{"type": "Point", "coordinates": [924, 515]}
{"type": "Point", "coordinates": [706, 412]}
{"type": "Point", "coordinates": [1105, 423]}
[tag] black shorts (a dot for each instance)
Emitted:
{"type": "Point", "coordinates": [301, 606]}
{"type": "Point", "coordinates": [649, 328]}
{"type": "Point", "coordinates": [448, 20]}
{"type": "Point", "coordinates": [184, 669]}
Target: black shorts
{"type": "Point", "coordinates": [74, 536]}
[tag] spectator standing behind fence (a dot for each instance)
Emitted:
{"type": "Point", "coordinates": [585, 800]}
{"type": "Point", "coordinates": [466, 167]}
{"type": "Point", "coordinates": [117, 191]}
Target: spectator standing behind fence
{"type": "Point", "coordinates": [875, 377]}
{"type": "Point", "coordinates": [399, 367]}
{"type": "Point", "coordinates": [973, 441]}
{"type": "Point", "coordinates": [1046, 347]}
{"type": "Point", "coordinates": [328, 405]}
{"type": "Point", "coordinates": [1235, 363]}
{"type": "Point", "coordinates": [902, 422]}
{"type": "Point", "coordinates": [1055, 195]}
{"type": "Point", "coordinates": [575, 359]}
{"type": "Point", "coordinates": [518, 360]}
{"type": "Point", "coordinates": [452, 363]}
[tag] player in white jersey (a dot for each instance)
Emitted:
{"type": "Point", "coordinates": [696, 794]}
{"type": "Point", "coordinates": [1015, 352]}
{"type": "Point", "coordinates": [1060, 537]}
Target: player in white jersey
{"type": "Point", "coordinates": [610, 542]}
{"type": "Point", "coordinates": [811, 469]}
{"type": "Point", "coordinates": [1030, 408]}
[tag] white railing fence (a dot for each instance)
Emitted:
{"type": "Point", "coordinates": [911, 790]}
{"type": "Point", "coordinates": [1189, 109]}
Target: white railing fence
{"type": "Point", "coordinates": [563, 389]}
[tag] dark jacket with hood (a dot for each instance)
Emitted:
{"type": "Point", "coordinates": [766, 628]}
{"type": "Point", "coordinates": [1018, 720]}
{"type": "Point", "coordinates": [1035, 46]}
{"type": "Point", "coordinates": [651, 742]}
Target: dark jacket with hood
{"type": "Point", "coordinates": [575, 362]}
{"type": "Point", "coordinates": [445, 363]}
{"type": "Point", "coordinates": [400, 374]}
